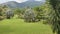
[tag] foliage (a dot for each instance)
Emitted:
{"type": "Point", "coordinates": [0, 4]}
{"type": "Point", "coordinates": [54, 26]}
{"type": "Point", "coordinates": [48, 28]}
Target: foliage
{"type": "Point", "coordinates": [29, 15]}
{"type": "Point", "coordinates": [43, 12]}
{"type": "Point", "coordinates": [0, 12]}
{"type": "Point", "coordinates": [37, 11]}
{"type": "Point", "coordinates": [56, 18]}
{"type": "Point", "coordinates": [9, 14]}
{"type": "Point", "coordinates": [19, 12]}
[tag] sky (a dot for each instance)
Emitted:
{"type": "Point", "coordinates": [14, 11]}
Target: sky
{"type": "Point", "coordinates": [19, 1]}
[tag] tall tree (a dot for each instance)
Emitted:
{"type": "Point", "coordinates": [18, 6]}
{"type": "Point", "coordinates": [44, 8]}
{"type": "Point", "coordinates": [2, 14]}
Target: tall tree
{"type": "Point", "coordinates": [0, 12]}
{"type": "Point", "coordinates": [29, 15]}
{"type": "Point", "coordinates": [56, 18]}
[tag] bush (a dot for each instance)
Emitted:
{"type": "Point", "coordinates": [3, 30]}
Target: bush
{"type": "Point", "coordinates": [29, 16]}
{"type": "Point", "coordinates": [1, 17]}
{"type": "Point", "coordinates": [9, 14]}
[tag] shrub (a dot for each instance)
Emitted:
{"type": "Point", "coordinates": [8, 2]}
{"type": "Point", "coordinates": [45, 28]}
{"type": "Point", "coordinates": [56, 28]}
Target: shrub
{"type": "Point", "coordinates": [29, 15]}
{"type": "Point", "coordinates": [1, 17]}
{"type": "Point", "coordinates": [9, 14]}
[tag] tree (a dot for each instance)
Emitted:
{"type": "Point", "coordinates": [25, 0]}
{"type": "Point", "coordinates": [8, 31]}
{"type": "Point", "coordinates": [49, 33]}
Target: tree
{"type": "Point", "coordinates": [37, 11]}
{"type": "Point", "coordinates": [9, 14]}
{"type": "Point", "coordinates": [0, 12]}
{"type": "Point", "coordinates": [56, 17]}
{"type": "Point", "coordinates": [29, 15]}
{"type": "Point", "coordinates": [19, 12]}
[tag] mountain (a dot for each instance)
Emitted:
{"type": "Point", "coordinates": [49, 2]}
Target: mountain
{"type": "Point", "coordinates": [11, 4]}
{"type": "Point", "coordinates": [31, 3]}
{"type": "Point", "coordinates": [14, 4]}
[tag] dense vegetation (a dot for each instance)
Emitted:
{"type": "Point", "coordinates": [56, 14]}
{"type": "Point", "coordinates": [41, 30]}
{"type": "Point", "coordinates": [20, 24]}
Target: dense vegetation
{"type": "Point", "coordinates": [56, 18]}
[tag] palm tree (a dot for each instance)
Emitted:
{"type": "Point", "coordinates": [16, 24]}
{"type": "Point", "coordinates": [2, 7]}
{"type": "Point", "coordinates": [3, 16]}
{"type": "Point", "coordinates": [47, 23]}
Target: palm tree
{"type": "Point", "coordinates": [56, 17]}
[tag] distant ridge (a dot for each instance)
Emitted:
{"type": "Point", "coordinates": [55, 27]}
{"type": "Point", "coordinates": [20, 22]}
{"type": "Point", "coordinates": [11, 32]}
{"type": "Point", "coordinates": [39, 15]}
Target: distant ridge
{"type": "Point", "coordinates": [30, 3]}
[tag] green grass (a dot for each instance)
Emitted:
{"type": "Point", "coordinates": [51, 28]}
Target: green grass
{"type": "Point", "coordinates": [18, 26]}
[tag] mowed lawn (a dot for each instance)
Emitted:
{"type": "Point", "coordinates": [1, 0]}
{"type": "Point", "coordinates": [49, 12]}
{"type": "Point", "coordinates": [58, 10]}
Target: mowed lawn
{"type": "Point", "coordinates": [18, 26]}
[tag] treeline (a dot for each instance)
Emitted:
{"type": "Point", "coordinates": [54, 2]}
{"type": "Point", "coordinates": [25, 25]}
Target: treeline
{"type": "Point", "coordinates": [44, 12]}
{"type": "Point", "coordinates": [28, 14]}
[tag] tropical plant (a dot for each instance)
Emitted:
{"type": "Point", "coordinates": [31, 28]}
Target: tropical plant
{"type": "Point", "coordinates": [56, 17]}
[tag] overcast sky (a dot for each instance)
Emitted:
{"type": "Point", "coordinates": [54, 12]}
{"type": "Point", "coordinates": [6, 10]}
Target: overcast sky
{"type": "Point", "coordinates": [19, 1]}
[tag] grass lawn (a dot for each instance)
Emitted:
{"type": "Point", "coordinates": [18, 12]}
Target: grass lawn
{"type": "Point", "coordinates": [18, 26]}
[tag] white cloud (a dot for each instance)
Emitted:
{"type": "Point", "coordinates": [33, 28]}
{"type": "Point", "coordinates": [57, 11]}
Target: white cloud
{"type": "Point", "coordinates": [20, 1]}
{"type": "Point", "coordinates": [38, 0]}
{"type": "Point", "coordinates": [3, 1]}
